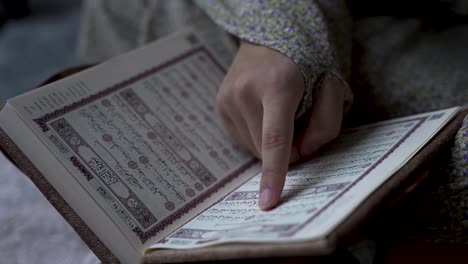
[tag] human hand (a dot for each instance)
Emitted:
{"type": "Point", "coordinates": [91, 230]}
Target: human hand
{"type": "Point", "coordinates": [258, 100]}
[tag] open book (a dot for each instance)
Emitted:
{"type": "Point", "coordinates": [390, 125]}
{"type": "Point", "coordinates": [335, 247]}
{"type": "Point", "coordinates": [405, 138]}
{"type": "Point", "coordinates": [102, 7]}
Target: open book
{"type": "Point", "coordinates": [133, 155]}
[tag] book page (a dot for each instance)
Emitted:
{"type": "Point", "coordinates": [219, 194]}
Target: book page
{"type": "Point", "coordinates": [141, 135]}
{"type": "Point", "coordinates": [319, 193]}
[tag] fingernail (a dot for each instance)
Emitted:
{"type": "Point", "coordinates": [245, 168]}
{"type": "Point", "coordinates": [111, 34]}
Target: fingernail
{"type": "Point", "coordinates": [265, 198]}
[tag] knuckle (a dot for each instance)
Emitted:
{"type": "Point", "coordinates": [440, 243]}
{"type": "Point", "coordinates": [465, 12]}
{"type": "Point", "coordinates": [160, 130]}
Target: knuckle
{"type": "Point", "coordinates": [273, 139]}
{"type": "Point", "coordinates": [242, 88]}
{"type": "Point", "coordinates": [274, 80]}
{"type": "Point", "coordinates": [270, 172]}
{"type": "Point", "coordinates": [273, 176]}
{"type": "Point", "coordinates": [280, 75]}
{"type": "Point", "coordinates": [222, 98]}
{"type": "Point", "coordinates": [241, 82]}
{"type": "Point", "coordinates": [273, 75]}
{"type": "Point", "coordinates": [276, 91]}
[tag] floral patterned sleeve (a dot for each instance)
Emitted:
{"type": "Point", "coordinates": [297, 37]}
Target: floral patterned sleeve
{"type": "Point", "coordinates": [315, 34]}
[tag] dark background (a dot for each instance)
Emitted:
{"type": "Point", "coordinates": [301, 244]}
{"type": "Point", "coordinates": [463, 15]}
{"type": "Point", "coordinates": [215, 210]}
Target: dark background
{"type": "Point", "coordinates": [37, 39]}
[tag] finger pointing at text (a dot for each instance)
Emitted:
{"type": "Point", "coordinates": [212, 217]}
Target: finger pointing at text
{"type": "Point", "coordinates": [257, 101]}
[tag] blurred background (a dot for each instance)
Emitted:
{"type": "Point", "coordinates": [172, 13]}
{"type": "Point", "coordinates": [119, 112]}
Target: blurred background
{"type": "Point", "coordinates": [37, 39]}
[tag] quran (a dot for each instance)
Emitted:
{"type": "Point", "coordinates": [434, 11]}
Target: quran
{"type": "Point", "coordinates": [134, 156]}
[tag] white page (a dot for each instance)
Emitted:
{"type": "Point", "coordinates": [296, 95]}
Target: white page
{"type": "Point", "coordinates": [141, 135]}
{"type": "Point", "coordinates": [319, 193]}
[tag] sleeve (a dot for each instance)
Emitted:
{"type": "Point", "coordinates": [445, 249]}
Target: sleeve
{"type": "Point", "coordinates": [315, 34]}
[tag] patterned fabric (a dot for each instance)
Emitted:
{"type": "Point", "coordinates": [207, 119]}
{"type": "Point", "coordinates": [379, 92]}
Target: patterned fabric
{"type": "Point", "coordinates": [408, 65]}
{"type": "Point", "coordinates": [396, 65]}
{"type": "Point", "coordinates": [400, 66]}
{"type": "Point", "coordinates": [296, 29]}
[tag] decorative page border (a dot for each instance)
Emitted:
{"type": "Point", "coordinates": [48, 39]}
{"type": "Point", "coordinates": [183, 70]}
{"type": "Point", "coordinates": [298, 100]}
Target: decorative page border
{"type": "Point", "coordinates": [291, 230]}
{"type": "Point", "coordinates": [420, 120]}
{"type": "Point", "coordinates": [144, 236]}
{"type": "Point", "coordinates": [42, 121]}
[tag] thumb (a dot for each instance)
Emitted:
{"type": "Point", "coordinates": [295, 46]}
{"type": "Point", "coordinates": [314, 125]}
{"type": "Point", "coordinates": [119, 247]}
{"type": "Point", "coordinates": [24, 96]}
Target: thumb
{"type": "Point", "coordinates": [324, 122]}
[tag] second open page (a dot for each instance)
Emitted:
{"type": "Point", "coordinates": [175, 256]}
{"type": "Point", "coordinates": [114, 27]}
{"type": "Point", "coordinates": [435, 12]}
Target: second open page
{"type": "Point", "coordinates": [318, 194]}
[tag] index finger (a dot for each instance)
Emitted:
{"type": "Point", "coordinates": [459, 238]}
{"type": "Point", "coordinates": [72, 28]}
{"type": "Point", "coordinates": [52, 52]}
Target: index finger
{"type": "Point", "coordinates": [277, 136]}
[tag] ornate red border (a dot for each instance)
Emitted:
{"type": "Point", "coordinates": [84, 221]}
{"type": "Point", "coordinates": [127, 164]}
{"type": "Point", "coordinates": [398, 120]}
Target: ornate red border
{"type": "Point", "coordinates": [42, 121]}
{"type": "Point", "coordinates": [420, 120]}
{"type": "Point", "coordinates": [145, 235]}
